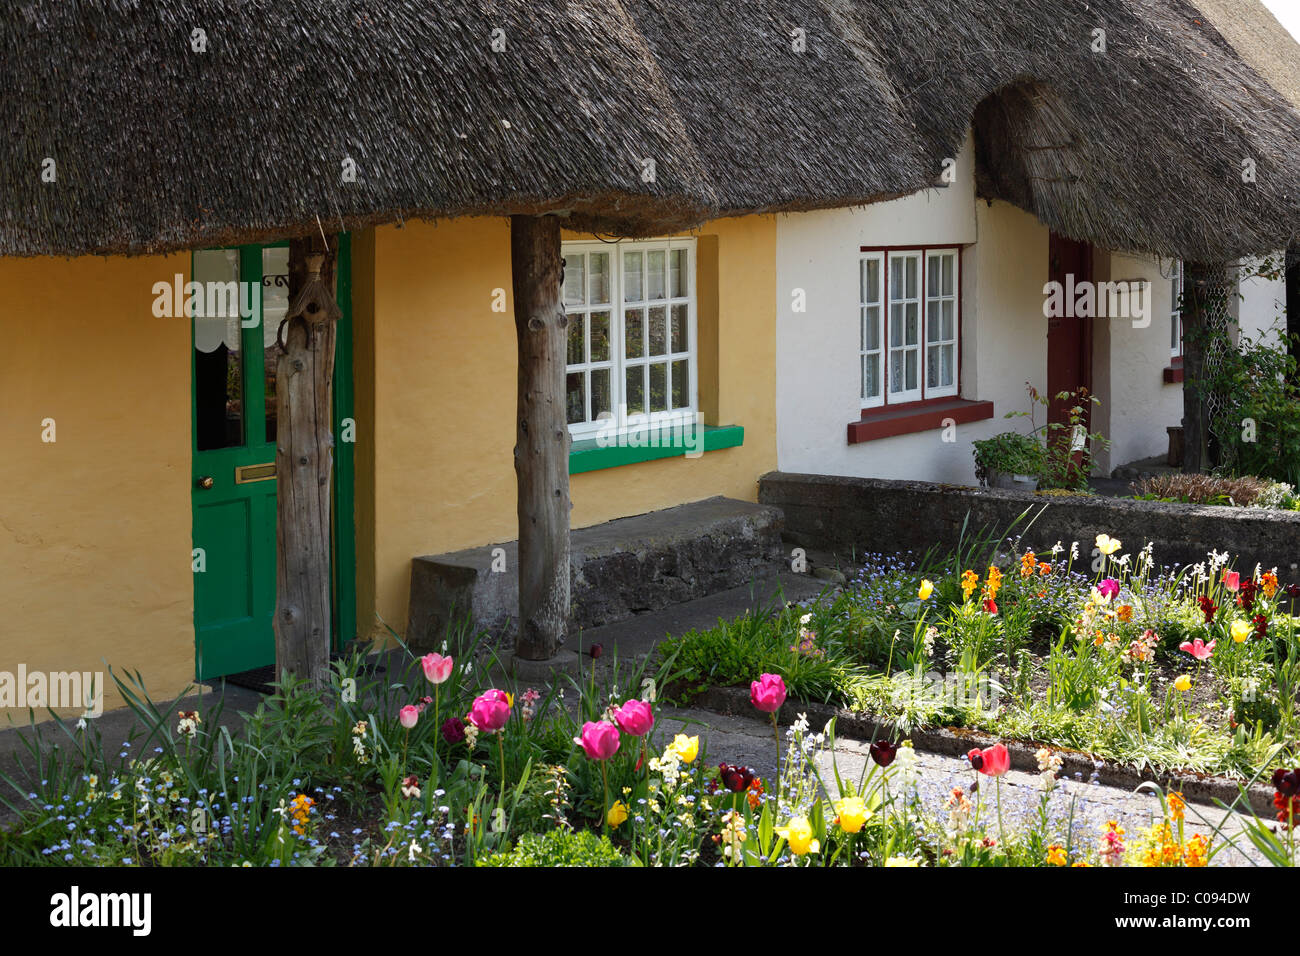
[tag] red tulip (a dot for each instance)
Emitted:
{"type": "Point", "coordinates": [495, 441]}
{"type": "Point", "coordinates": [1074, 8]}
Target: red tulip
{"type": "Point", "coordinates": [1232, 580]}
{"type": "Point", "coordinates": [883, 752]}
{"type": "Point", "coordinates": [735, 778]}
{"type": "Point", "coordinates": [767, 693]}
{"type": "Point", "coordinates": [993, 761]}
{"type": "Point", "coordinates": [490, 711]}
{"type": "Point", "coordinates": [596, 650]}
{"type": "Point", "coordinates": [635, 718]}
{"type": "Point", "coordinates": [599, 739]}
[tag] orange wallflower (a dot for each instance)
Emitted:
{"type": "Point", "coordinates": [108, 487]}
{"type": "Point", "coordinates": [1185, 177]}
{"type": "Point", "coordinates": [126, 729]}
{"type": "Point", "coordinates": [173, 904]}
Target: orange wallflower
{"type": "Point", "coordinates": [994, 583]}
{"type": "Point", "coordinates": [1027, 564]}
{"type": "Point", "coordinates": [1124, 612]}
{"type": "Point", "coordinates": [1268, 580]}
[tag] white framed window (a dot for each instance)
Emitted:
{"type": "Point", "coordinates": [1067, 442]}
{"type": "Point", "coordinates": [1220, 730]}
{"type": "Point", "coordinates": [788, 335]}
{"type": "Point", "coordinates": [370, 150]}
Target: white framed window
{"type": "Point", "coordinates": [631, 344]}
{"type": "Point", "coordinates": [1176, 311]}
{"type": "Point", "coordinates": [909, 307]}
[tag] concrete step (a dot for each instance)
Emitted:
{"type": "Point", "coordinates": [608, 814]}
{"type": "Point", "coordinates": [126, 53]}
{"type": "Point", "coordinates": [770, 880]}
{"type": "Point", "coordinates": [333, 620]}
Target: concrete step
{"type": "Point", "coordinates": [618, 569]}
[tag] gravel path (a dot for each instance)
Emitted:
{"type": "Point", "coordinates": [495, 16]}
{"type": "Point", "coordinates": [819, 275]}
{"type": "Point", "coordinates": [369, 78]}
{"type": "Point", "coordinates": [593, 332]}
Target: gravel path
{"type": "Point", "coordinates": [750, 742]}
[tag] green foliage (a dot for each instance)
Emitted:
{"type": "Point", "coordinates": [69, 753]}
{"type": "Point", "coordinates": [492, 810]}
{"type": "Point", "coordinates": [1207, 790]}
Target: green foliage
{"type": "Point", "coordinates": [1011, 453]}
{"type": "Point", "coordinates": [559, 847]}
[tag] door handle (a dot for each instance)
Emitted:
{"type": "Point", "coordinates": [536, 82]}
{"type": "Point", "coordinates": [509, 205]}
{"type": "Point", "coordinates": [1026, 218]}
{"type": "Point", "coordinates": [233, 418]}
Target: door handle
{"type": "Point", "coordinates": [204, 482]}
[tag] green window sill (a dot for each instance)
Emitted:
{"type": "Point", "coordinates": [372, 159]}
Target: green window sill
{"type": "Point", "coordinates": [589, 455]}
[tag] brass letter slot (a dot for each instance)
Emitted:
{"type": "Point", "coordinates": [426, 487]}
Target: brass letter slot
{"type": "Point", "coordinates": [246, 473]}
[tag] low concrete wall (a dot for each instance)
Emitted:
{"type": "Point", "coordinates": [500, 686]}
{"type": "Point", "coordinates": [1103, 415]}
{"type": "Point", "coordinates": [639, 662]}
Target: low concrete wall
{"type": "Point", "coordinates": [871, 514]}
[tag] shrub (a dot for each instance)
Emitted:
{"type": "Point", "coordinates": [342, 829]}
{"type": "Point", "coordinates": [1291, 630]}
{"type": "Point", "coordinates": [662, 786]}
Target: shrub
{"type": "Point", "coordinates": [559, 848]}
{"type": "Point", "coordinates": [1202, 489]}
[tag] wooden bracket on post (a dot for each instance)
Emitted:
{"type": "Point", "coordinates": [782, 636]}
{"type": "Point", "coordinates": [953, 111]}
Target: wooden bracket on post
{"type": "Point", "coordinates": [541, 437]}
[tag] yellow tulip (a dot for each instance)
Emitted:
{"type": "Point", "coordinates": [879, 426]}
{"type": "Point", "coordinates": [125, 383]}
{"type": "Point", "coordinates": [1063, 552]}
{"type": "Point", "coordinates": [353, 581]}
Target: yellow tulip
{"type": "Point", "coordinates": [927, 588]}
{"type": "Point", "coordinates": [798, 833]}
{"type": "Point", "coordinates": [1241, 630]}
{"type": "Point", "coordinates": [686, 748]}
{"type": "Point", "coordinates": [617, 814]}
{"type": "Point", "coordinates": [1183, 682]}
{"type": "Point", "coordinates": [1106, 544]}
{"type": "Point", "coordinates": [852, 814]}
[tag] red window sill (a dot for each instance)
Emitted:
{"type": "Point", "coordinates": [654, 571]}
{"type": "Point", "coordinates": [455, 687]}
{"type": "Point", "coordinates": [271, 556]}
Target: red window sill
{"type": "Point", "coordinates": [1174, 373]}
{"type": "Point", "coordinates": [916, 417]}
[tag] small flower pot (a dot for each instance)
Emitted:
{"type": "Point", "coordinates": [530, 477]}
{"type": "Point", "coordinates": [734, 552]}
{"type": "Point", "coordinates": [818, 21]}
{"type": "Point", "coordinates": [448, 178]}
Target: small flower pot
{"type": "Point", "coordinates": [998, 479]}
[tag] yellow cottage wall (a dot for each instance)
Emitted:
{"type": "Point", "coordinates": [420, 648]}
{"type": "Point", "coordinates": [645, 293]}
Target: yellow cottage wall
{"type": "Point", "coordinates": [436, 372]}
{"type": "Point", "coordinates": [95, 527]}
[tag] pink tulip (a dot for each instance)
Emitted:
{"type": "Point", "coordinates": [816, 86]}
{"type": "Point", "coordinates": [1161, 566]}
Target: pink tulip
{"type": "Point", "coordinates": [635, 718]}
{"type": "Point", "coordinates": [993, 761]}
{"type": "Point", "coordinates": [1108, 588]}
{"type": "Point", "coordinates": [767, 693]}
{"type": "Point", "coordinates": [599, 739]}
{"type": "Point", "coordinates": [436, 668]}
{"type": "Point", "coordinates": [409, 715]}
{"type": "Point", "coordinates": [490, 711]}
{"type": "Point", "coordinates": [1198, 649]}
{"type": "Point", "coordinates": [1232, 580]}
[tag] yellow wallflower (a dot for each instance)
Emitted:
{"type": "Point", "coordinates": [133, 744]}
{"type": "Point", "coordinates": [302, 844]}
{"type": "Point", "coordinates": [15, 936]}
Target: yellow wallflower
{"type": "Point", "coordinates": [927, 588]}
{"type": "Point", "coordinates": [1056, 855]}
{"type": "Point", "coordinates": [798, 834]}
{"type": "Point", "coordinates": [617, 814]}
{"type": "Point", "coordinates": [686, 748]}
{"type": "Point", "coordinates": [852, 814]}
{"type": "Point", "coordinates": [1177, 805]}
{"type": "Point", "coordinates": [902, 861]}
{"type": "Point", "coordinates": [1183, 682]}
{"type": "Point", "coordinates": [1241, 630]}
{"type": "Point", "coordinates": [1106, 544]}
{"type": "Point", "coordinates": [995, 583]}
{"type": "Point", "coordinates": [969, 582]}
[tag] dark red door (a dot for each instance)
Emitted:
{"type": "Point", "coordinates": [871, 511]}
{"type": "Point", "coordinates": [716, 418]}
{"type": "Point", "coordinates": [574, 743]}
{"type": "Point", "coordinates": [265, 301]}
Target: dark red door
{"type": "Point", "coordinates": [1069, 337]}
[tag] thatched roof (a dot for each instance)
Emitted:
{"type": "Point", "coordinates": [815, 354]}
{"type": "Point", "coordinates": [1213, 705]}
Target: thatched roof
{"type": "Point", "coordinates": [159, 147]}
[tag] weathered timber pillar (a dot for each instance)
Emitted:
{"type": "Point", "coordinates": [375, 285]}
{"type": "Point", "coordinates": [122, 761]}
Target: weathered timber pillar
{"type": "Point", "coordinates": [541, 436]}
{"type": "Point", "coordinates": [1204, 288]}
{"type": "Point", "coordinates": [304, 461]}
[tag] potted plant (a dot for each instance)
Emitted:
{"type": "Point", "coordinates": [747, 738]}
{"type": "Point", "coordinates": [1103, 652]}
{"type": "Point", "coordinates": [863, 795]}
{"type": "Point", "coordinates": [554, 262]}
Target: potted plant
{"type": "Point", "coordinates": [1009, 460]}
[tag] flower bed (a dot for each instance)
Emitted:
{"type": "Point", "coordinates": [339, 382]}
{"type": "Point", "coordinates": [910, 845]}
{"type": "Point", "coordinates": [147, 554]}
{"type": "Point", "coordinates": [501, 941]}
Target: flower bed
{"type": "Point", "coordinates": [447, 766]}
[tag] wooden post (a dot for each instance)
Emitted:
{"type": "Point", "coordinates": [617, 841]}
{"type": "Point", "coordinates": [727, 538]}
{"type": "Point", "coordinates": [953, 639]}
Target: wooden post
{"type": "Point", "coordinates": [541, 436]}
{"type": "Point", "coordinates": [304, 460]}
{"type": "Point", "coordinates": [1203, 300]}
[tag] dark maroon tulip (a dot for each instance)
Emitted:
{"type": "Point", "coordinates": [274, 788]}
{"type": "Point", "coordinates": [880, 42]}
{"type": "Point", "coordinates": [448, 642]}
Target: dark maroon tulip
{"type": "Point", "coordinates": [596, 650]}
{"type": "Point", "coordinates": [1286, 782]}
{"type": "Point", "coordinates": [453, 730]}
{"type": "Point", "coordinates": [736, 779]}
{"type": "Point", "coordinates": [883, 752]}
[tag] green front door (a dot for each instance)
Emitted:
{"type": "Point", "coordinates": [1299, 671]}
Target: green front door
{"type": "Point", "coordinates": [245, 295]}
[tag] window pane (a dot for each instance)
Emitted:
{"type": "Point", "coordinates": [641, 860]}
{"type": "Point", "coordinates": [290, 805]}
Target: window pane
{"type": "Point", "coordinates": [913, 326]}
{"type": "Point", "coordinates": [947, 367]}
{"type": "Point", "coordinates": [275, 306]}
{"type": "Point", "coordinates": [911, 368]}
{"type": "Point", "coordinates": [895, 326]}
{"type": "Point", "coordinates": [655, 284]}
{"type": "Point", "coordinates": [681, 384]}
{"type": "Point", "coordinates": [949, 321]}
{"type": "Point", "coordinates": [634, 334]}
{"type": "Point", "coordinates": [575, 280]}
{"type": "Point", "coordinates": [896, 277]}
{"type": "Point", "coordinates": [598, 278]}
{"type": "Point", "coordinates": [949, 270]}
{"type": "Point", "coordinates": [576, 332]}
{"type": "Point", "coordinates": [659, 387]}
{"type": "Point", "coordinates": [912, 269]}
{"type": "Point", "coordinates": [677, 270]}
{"type": "Point", "coordinates": [871, 376]}
{"type": "Point", "coordinates": [932, 366]}
{"type": "Point", "coordinates": [658, 330]}
{"type": "Point", "coordinates": [680, 342]}
{"type": "Point", "coordinates": [576, 400]}
{"type": "Point", "coordinates": [895, 371]}
{"type": "Point", "coordinates": [218, 357]}
{"type": "Point", "coordinates": [635, 393]}
{"type": "Point", "coordinates": [932, 275]}
{"type": "Point", "coordinates": [600, 400]}
{"type": "Point", "coordinates": [932, 319]}
{"type": "Point", "coordinates": [599, 336]}
{"type": "Point", "coordinates": [632, 277]}
{"type": "Point", "coordinates": [871, 328]}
